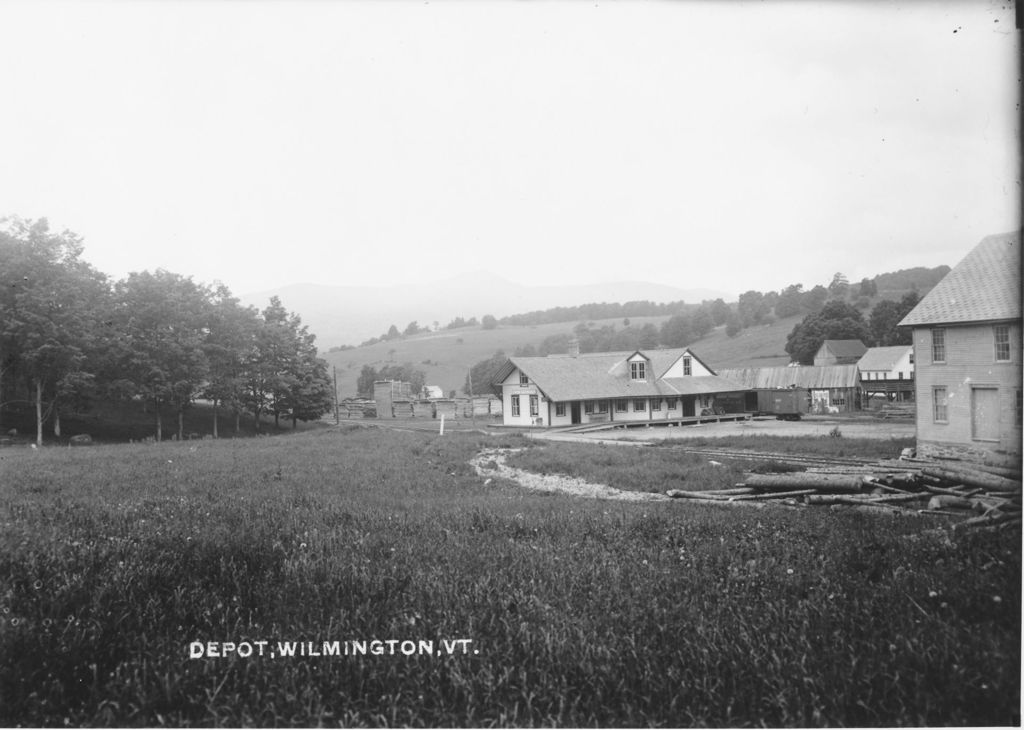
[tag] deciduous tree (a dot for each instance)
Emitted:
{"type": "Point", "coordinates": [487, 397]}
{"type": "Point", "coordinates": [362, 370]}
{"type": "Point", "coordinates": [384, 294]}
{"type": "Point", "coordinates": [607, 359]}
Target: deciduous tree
{"type": "Point", "coordinates": [837, 320]}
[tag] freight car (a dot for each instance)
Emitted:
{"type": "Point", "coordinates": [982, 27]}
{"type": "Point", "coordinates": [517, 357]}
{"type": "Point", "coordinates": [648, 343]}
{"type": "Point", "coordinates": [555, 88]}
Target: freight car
{"type": "Point", "coordinates": [786, 404]}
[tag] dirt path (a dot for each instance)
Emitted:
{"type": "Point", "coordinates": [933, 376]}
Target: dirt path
{"type": "Point", "coordinates": [494, 463]}
{"type": "Point", "coordinates": [810, 426]}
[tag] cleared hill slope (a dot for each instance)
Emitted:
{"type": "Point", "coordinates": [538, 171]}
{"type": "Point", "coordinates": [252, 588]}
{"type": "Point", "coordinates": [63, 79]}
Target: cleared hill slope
{"type": "Point", "coordinates": [447, 356]}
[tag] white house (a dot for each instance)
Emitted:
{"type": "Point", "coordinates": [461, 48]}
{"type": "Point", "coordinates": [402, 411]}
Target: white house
{"type": "Point", "coordinates": [630, 387]}
{"type": "Point", "coordinates": [432, 392]}
{"type": "Point", "coordinates": [888, 372]}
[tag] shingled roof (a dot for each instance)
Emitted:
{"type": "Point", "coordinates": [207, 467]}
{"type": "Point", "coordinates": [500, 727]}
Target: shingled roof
{"type": "Point", "coordinates": [845, 348]}
{"type": "Point", "coordinates": [606, 375]}
{"type": "Point", "coordinates": [882, 358]}
{"type": "Point", "coordinates": [985, 286]}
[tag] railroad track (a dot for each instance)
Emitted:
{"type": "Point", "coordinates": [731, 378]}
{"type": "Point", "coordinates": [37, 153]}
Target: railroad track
{"type": "Point", "coordinates": [817, 462]}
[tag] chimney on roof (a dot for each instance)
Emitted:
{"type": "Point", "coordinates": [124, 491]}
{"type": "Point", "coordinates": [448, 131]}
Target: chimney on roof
{"type": "Point", "coordinates": [574, 347]}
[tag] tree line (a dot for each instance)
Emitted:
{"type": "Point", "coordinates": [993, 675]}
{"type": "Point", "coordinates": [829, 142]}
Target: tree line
{"type": "Point", "coordinates": [70, 336]}
{"type": "Point", "coordinates": [835, 319]}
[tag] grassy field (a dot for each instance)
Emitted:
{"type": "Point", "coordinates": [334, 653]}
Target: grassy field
{"type": "Point", "coordinates": [573, 612]}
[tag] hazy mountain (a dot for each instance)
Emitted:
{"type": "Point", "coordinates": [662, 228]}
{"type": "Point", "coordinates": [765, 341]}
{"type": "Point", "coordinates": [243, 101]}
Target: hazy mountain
{"type": "Point", "coordinates": [348, 315]}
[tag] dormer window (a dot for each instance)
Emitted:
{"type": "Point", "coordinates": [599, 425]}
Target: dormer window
{"type": "Point", "coordinates": [523, 380]}
{"type": "Point", "coordinates": [687, 366]}
{"type": "Point", "coordinates": [638, 370]}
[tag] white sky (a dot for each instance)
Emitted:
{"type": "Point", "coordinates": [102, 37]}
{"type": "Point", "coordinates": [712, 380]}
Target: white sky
{"type": "Point", "coordinates": [728, 145]}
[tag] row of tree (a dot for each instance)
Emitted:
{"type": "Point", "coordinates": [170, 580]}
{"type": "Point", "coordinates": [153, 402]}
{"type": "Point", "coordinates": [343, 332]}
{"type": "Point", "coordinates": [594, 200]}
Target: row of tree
{"type": "Point", "coordinates": [68, 335]}
{"type": "Point", "coordinates": [406, 372]}
{"type": "Point", "coordinates": [488, 322]}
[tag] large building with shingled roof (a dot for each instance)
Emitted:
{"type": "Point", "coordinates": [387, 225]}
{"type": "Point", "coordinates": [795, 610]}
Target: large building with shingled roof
{"type": "Point", "coordinates": [643, 386]}
{"type": "Point", "coordinates": [967, 356]}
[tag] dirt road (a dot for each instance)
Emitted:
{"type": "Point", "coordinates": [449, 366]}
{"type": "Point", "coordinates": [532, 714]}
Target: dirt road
{"type": "Point", "coordinates": [810, 426]}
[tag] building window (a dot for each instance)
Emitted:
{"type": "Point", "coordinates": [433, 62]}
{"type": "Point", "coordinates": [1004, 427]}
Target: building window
{"type": "Point", "coordinates": [687, 366]}
{"type": "Point", "coordinates": [655, 404]}
{"type": "Point", "coordinates": [1019, 418]}
{"type": "Point", "coordinates": [621, 406]}
{"type": "Point", "coordinates": [602, 406]}
{"type": "Point", "coordinates": [1002, 333]}
{"type": "Point", "coordinates": [559, 409]}
{"type": "Point", "coordinates": [523, 380]}
{"type": "Point", "coordinates": [911, 357]}
{"type": "Point", "coordinates": [515, 405]}
{"type": "Point", "coordinates": [940, 412]}
{"type": "Point", "coordinates": [670, 404]}
{"type": "Point", "coordinates": [588, 407]}
{"type": "Point", "coordinates": [534, 406]}
{"type": "Point", "coordinates": [638, 370]}
{"type": "Point", "coordinates": [640, 405]}
{"type": "Point", "coordinates": [938, 345]}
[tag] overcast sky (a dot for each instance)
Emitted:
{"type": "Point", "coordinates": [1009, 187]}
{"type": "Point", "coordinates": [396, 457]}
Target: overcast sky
{"type": "Point", "coordinates": [729, 145]}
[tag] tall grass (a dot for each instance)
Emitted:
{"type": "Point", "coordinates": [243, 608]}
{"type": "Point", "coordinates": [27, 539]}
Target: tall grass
{"type": "Point", "coordinates": [584, 612]}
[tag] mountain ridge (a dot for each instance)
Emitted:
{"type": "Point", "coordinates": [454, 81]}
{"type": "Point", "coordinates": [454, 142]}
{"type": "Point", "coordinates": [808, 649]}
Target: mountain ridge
{"type": "Point", "coordinates": [348, 314]}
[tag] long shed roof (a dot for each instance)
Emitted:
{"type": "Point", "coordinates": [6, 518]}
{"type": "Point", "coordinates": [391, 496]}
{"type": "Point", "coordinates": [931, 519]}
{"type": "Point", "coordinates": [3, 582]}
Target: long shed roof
{"type": "Point", "coordinates": [984, 286]}
{"type": "Point", "coordinates": [812, 377]}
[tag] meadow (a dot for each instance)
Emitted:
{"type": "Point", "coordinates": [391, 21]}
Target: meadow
{"type": "Point", "coordinates": [116, 559]}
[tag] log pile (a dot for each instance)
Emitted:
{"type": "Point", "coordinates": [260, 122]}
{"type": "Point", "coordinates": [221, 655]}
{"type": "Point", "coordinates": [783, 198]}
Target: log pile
{"type": "Point", "coordinates": [975, 495]}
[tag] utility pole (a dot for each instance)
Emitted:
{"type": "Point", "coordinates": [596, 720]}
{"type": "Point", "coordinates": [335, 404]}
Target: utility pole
{"type": "Point", "coordinates": [472, 409]}
{"type": "Point", "coordinates": [337, 418]}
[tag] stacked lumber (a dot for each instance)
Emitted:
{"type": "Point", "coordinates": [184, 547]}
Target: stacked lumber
{"type": "Point", "coordinates": [423, 409]}
{"type": "Point", "coordinates": [976, 495]}
{"type": "Point", "coordinates": [357, 408]}
{"type": "Point", "coordinates": [402, 408]}
{"type": "Point", "coordinates": [897, 411]}
{"type": "Point", "coordinates": [446, 408]}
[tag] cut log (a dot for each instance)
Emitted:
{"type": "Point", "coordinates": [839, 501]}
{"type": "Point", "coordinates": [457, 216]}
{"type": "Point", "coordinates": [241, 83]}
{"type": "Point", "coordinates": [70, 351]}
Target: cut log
{"type": "Point", "coordinates": [834, 483]}
{"type": "Point", "coordinates": [887, 509]}
{"type": "Point", "coordinates": [683, 494]}
{"type": "Point", "coordinates": [730, 492]}
{"type": "Point", "coordinates": [943, 490]}
{"type": "Point", "coordinates": [1002, 471]}
{"type": "Point", "coordinates": [961, 475]}
{"type": "Point", "coordinates": [991, 518]}
{"type": "Point", "coordinates": [887, 488]}
{"type": "Point", "coordinates": [945, 501]}
{"type": "Point", "coordinates": [863, 499]}
{"type": "Point", "coordinates": [774, 495]}
{"type": "Point", "coordinates": [754, 504]}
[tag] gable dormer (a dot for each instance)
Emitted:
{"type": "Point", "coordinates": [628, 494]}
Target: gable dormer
{"type": "Point", "coordinates": [638, 368]}
{"type": "Point", "coordinates": [687, 365]}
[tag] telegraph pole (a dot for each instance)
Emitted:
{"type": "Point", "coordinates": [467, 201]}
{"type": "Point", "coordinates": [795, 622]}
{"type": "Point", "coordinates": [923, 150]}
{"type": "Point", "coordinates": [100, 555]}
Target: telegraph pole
{"type": "Point", "coordinates": [472, 408]}
{"type": "Point", "coordinates": [337, 418]}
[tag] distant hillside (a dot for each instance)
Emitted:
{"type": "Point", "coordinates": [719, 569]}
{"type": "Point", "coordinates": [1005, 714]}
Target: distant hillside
{"type": "Point", "coordinates": [920, 279]}
{"type": "Point", "coordinates": [446, 356]}
{"type": "Point", "coordinates": [351, 314]}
